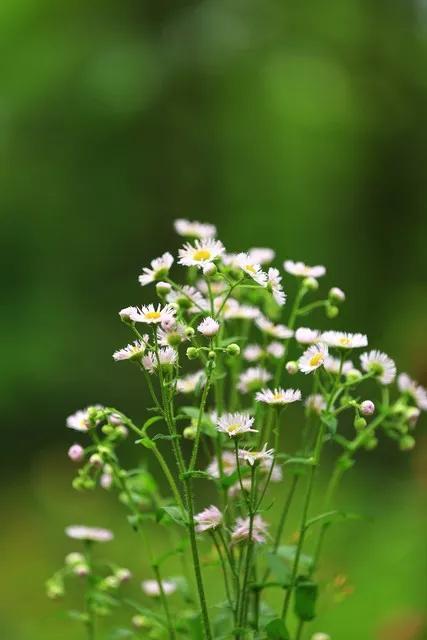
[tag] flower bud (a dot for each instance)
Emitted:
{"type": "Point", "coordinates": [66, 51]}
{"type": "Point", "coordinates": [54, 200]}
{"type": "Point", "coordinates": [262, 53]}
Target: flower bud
{"type": "Point", "coordinates": [141, 622]}
{"type": "Point", "coordinates": [336, 295]}
{"type": "Point", "coordinates": [168, 323]}
{"type": "Point", "coordinates": [189, 332]}
{"type": "Point", "coordinates": [320, 636]}
{"type": "Point", "coordinates": [163, 288]}
{"type": "Point", "coordinates": [189, 432]}
{"type": "Point", "coordinates": [110, 582]}
{"type": "Point", "coordinates": [115, 419]}
{"type": "Point", "coordinates": [74, 558]}
{"type": "Point", "coordinates": [192, 353]}
{"type": "Point", "coordinates": [359, 423]}
{"type": "Point", "coordinates": [107, 429]}
{"type": "Point", "coordinates": [106, 480]}
{"type": "Point", "coordinates": [412, 415]}
{"type": "Point", "coordinates": [76, 453]}
{"type": "Point", "coordinates": [122, 431]}
{"type": "Point", "coordinates": [406, 443]}
{"type": "Point", "coordinates": [353, 375]}
{"type": "Point", "coordinates": [233, 349]}
{"type": "Point", "coordinates": [371, 443]}
{"type": "Point", "coordinates": [367, 408]}
{"type": "Point", "coordinates": [81, 570]}
{"type": "Point", "coordinates": [332, 311]}
{"type": "Point", "coordinates": [310, 283]}
{"type": "Point", "coordinates": [54, 588]}
{"type": "Point", "coordinates": [123, 575]}
{"type": "Point", "coordinates": [292, 367]}
{"type": "Point", "coordinates": [95, 460]}
{"type": "Point", "coordinates": [209, 269]}
{"type": "Point", "coordinates": [211, 355]}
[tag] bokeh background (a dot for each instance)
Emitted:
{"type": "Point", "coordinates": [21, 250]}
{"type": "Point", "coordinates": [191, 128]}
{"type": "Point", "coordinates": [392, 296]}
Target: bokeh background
{"type": "Point", "coordinates": [301, 125]}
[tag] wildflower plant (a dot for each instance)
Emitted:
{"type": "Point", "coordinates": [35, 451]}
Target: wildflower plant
{"type": "Point", "coordinates": [222, 359]}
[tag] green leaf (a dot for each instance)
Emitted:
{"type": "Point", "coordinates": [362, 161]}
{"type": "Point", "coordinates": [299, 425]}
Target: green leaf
{"type": "Point", "coordinates": [330, 421]}
{"type": "Point", "coordinates": [280, 569]}
{"type": "Point", "coordinates": [175, 514]}
{"type": "Point", "coordinates": [164, 436]}
{"type": "Point", "coordinates": [195, 474]}
{"type": "Point", "coordinates": [276, 630]}
{"type": "Point", "coordinates": [330, 517]}
{"type": "Point", "coordinates": [150, 422]}
{"type": "Point", "coordinates": [146, 442]}
{"type": "Point", "coordinates": [287, 552]}
{"type": "Point", "coordinates": [306, 593]}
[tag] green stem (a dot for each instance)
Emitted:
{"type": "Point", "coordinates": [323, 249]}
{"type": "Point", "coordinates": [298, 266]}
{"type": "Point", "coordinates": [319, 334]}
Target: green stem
{"type": "Point", "coordinates": [244, 594]}
{"type": "Point", "coordinates": [225, 572]}
{"type": "Point", "coordinates": [164, 600]}
{"type": "Point", "coordinates": [91, 619]}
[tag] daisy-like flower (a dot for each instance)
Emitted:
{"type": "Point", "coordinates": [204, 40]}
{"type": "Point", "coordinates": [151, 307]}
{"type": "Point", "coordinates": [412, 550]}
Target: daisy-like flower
{"type": "Point", "coordinates": [172, 337]}
{"type": "Point", "coordinates": [79, 421]}
{"type": "Point", "coordinates": [127, 313]}
{"type": "Point", "coordinates": [152, 589]}
{"type": "Point", "coordinates": [92, 534]}
{"type": "Point", "coordinates": [131, 351]}
{"type": "Point", "coordinates": [251, 269]}
{"type": "Point", "coordinates": [278, 396]}
{"type": "Point", "coordinates": [190, 382]}
{"type": "Point", "coordinates": [302, 270]}
{"type": "Point", "coordinates": [276, 473]}
{"type": "Point", "coordinates": [236, 488]}
{"type": "Point", "coordinates": [276, 350]}
{"type": "Point", "coordinates": [195, 229]}
{"type": "Point", "coordinates": [274, 330]}
{"type": "Point", "coordinates": [304, 335]}
{"type": "Point", "coordinates": [154, 315]}
{"type": "Point", "coordinates": [234, 424]}
{"type": "Point", "coordinates": [261, 255]}
{"type": "Point", "coordinates": [253, 379]}
{"type": "Point", "coordinates": [313, 357]}
{"type": "Point", "coordinates": [380, 365]}
{"type": "Point", "coordinates": [208, 327]}
{"type": "Point", "coordinates": [201, 254]}
{"type": "Point", "coordinates": [413, 389]}
{"type": "Point", "coordinates": [344, 340]}
{"type": "Point", "coordinates": [242, 528]}
{"type": "Point", "coordinates": [209, 518]}
{"type": "Point", "coordinates": [159, 269]}
{"type": "Point", "coordinates": [253, 352]}
{"type": "Point", "coordinates": [217, 286]}
{"type": "Point", "coordinates": [274, 285]}
{"type": "Point", "coordinates": [234, 310]}
{"type": "Point", "coordinates": [315, 403]}
{"type": "Point", "coordinates": [251, 457]}
{"type": "Point", "coordinates": [228, 460]}
{"type": "Point", "coordinates": [167, 357]}
{"type": "Point", "coordinates": [333, 365]}
{"type": "Point", "coordinates": [187, 298]}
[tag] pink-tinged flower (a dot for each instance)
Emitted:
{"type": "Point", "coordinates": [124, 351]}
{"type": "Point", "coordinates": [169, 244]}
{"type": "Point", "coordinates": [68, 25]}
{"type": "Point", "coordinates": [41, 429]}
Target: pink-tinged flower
{"type": "Point", "coordinates": [275, 330]}
{"type": "Point", "coordinates": [304, 335]}
{"type": "Point", "coordinates": [253, 352]}
{"type": "Point", "coordinates": [159, 269]}
{"type": "Point", "coordinates": [313, 358]}
{"type": "Point", "coordinates": [380, 365]}
{"type": "Point", "coordinates": [302, 270]}
{"type": "Point", "coordinates": [235, 424]}
{"type": "Point", "coordinates": [413, 389]}
{"type": "Point", "coordinates": [242, 528]}
{"type": "Point", "coordinates": [166, 357]}
{"type": "Point", "coordinates": [79, 421]}
{"type": "Point", "coordinates": [209, 518]}
{"type": "Point", "coordinates": [315, 403]}
{"type": "Point", "coordinates": [149, 314]}
{"type": "Point", "coordinates": [278, 396]}
{"type": "Point", "coordinates": [252, 379]}
{"type": "Point", "coordinates": [208, 327]}
{"type": "Point", "coordinates": [276, 350]}
{"type": "Point", "coordinates": [173, 336]}
{"type": "Point", "coordinates": [106, 480]}
{"type": "Point", "coordinates": [152, 589]}
{"type": "Point", "coordinates": [189, 298]}
{"type": "Point", "coordinates": [123, 575]}
{"type": "Point", "coordinates": [195, 229]}
{"type": "Point", "coordinates": [131, 351]}
{"type": "Point", "coordinates": [367, 408]}
{"type": "Point", "coordinates": [190, 382]}
{"type": "Point", "coordinates": [228, 460]}
{"type": "Point", "coordinates": [76, 453]}
{"type": "Point", "coordinates": [92, 534]}
{"type": "Point", "coordinates": [344, 340]}
{"type": "Point", "coordinates": [274, 280]}
{"type": "Point", "coordinates": [201, 254]}
{"type": "Point", "coordinates": [251, 457]}
{"type": "Point", "coordinates": [261, 255]}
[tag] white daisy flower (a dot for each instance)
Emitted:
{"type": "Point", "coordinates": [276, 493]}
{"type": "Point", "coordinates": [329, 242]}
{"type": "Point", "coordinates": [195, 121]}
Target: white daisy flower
{"type": "Point", "coordinates": [251, 457]}
{"type": "Point", "coordinates": [252, 379]}
{"type": "Point", "coordinates": [313, 357]}
{"type": "Point", "coordinates": [79, 421]}
{"type": "Point", "coordinates": [234, 424]}
{"type": "Point", "coordinates": [92, 534]}
{"type": "Point", "coordinates": [276, 349]}
{"type": "Point", "coordinates": [209, 518]}
{"type": "Point", "coordinates": [217, 286]}
{"type": "Point", "coordinates": [172, 337]}
{"type": "Point", "coordinates": [201, 254]}
{"type": "Point", "coordinates": [228, 461]}
{"type": "Point", "coordinates": [301, 270]}
{"type": "Point", "coordinates": [242, 528]}
{"type": "Point", "coordinates": [344, 339]}
{"type": "Point", "coordinates": [380, 365]}
{"type": "Point", "coordinates": [208, 327]}
{"type": "Point", "coordinates": [152, 589]}
{"type": "Point", "coordinates": [195, 229]}
{"type": "Point", "coordinates": [190, 382]}
{"type": "Point", "coordinates": [251, 269]}
{"type": "Point", "coordinates": [278, 396]}
{"type": "Point", "coordinates": [315, 403]}
{"type": "Point", "coordinates": [304, 335]}
{"type": "Point", "coordinates": [274, 285]}
{"type": "Point", "coordinates": [187, 298]}
{"type": "Point", "coordinates": [159, 269]}
{"type": "Point", "coordinates": [167, 357]}
{"type": "Point", "coordinates": [234, 310]}
{"type": "Point", "coordinates": [274, 330]}
{"type": "Point", "coordinates": [131, 351]}
{"type": "Point", "coordinates": [415, 390]}
{"type": "Point", "coordinates": [149, 314]}
{"type": "Point", "coordinates": [253, 352]}
{"type": "Point", "coordinates": [261, 255]}
{"type": "Point", "coordinates": [127, 313]}
{"type": "Point", "coordinates": [333, 365]}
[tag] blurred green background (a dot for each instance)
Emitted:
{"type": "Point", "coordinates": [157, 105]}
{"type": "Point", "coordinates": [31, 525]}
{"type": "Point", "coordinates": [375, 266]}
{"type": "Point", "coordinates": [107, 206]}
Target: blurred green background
{"type": "Point", "coordinates": [297, 125]}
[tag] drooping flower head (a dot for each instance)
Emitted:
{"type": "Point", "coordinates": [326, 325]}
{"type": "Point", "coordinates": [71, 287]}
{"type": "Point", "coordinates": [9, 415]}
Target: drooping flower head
{"type": "Point", "coordinates": [344, 340]}
{"type": "Point", "coordinates": [201, 254]}
{"type": "Point", "coordinates": [251, 457]}
{"type": "Point", "coordinates": [380, 365]}
{"type": "Point", "coordinates": [209, 518]}
{"type": "Point", "coordinates": [313, 357]}
{"type": "Point", "coordinates": [149, 314]}
{"type": "Point", "coordinates": [413, 389]}
{"type": "Point", "coordinates": [278, 396]}
{"type": "Point", "coordinates": [195, 229]}
{"type": "Point", "coordinates": [235, 424]}
{"type": "Point", "coordinates": [159, 269]}
{"type": "Point", "coordinates": [92, 534]}
{"type": "Point", "coordinates": [302, 270]}
{"type": "Point", "coordinates": [274, 280]}
{"type": "Point", "coordinates": [242, 529]}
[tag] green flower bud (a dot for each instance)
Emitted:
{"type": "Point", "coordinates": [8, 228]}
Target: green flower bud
{"type": "Point", "coordinates": [163, 288]}
{"type": "Point", "coordinates": [406, 443]}
{"type": "Point", "coordinates": [190, 432]}
{"type": "Point", "coordinates": [211, 355]}
{"type": "Point", "coordinates": [107, 429]}
{"type": "Point", "coordinates": [292, 367]}
{"type": "Point", "coordinates": [371, 443]}
{"type": "Point", "coordinates": [332, 311]}
{"type": "Point", "coordinates": [359, 423]}
{"type": "Point", "coordinates": [353, 375]}
{"type": "Point", "coordinates": [192, 353]}
{"type": "Point", "coordinates": [189, 332]}
{"type": "Point", "coordinates": [310, 283]}
{"type": "Point", "coordinates": [336, 295]}
{"type": "Point", "coordinates": [233, 349]}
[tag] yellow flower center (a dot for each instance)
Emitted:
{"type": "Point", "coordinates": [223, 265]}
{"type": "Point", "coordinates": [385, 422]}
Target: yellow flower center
{"type": "Point", "coordinates": [277, 396]}
{"type": "Point", "coordinates": [232, 428]}
{"type": "Point", "coordinates": [316, 360]}
{"type": "Point", "coordinates": [153, 315]}
{"type": "Point", "coordinates": [344, 342]}
{"type": "Point", "coordinates": [250, 268]}
{"type": "Point", "coordinates": [201, 255]}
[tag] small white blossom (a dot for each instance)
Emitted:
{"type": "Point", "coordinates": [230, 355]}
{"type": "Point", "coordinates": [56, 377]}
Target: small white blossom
{"type": "Point", "coordinates": [274, 330]}
{"type": "Point", "coordinates": [228, 461]}
{"type": "Point", "coordinates": [190, 382]}
{"type": "Point", "coordinates": [209, 518]}
{"type": "Point", "coordinates": [337, 294]}
{"type": "Point", "coordinates": [344, 340]}
{"type": "Point", "coordinates": [187, 297]}
{"type": "Point", "coordinates": [333, 365]}
{"type": "Point", "coordinates": [76, 453]}
{"type": "Point", "coordinates": [278, 396]}
{"type": "Point", "coordinates": [159, 269]}
{"type": "Point", "coordinates": [93, 534]}
{"type": "Point", "coordinates": [276, 349]}
{"type": "Point", "coordinates": [367, 408]}
{"type": "Point", "coordinates": [152, 589]}
{"type": "Point", "coordinates": [149, 314]}
{"type": "Point", "coordinates": [79, 421]}
{"type": "Point", "coordinates": [127, 313]}
{"type": "Point", "coordinates": [261, 255]}
{"type": "Point", "coordinates": [415, 390]}
{"type": "Point", "coordinates": [234, 424]}
{"type": "Point", "coordinates": [252, 269]}
{"type": "Point", "coordinates": [315, 403]}
{"type": "Point", "coordinates": [274, 280]}
{"type": "Point", "coordinates": [234, 310]}
{"type": "Point", "coordinates": [131, 351]}
{"type": "Point", "coordinates": [256, 456]}
{"type": "Point", "coordinates": [202, 253]}
{"type": "Point", "coordinates": [166, 357]}
{"type": "Point", "coordinates": [194, 229]}
{"type": "Point", "coordinates": [217, 286]}
{"type": "Point", "coordinates": [380, 364]}
{"type": "Point", "coordinates": [304, 335]}
{"type": "Point", "coordinates": [313, 357]}
{"type": "Point", "coordinates": [208, 327]}
{"type": "Point", "coordinates": [172, 337]}
{"type": "Point", "coordinates": [253, 352]}
{"type": "Point", "coordinates": [301, 270]}
{"type": "Point", "coordinates": [242, 529]}
{"type": "Point", "coordinates": [252, 379]}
